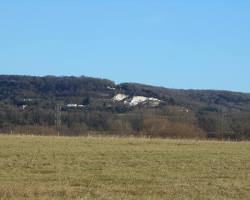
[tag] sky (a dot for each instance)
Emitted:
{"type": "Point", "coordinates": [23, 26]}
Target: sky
{"type": "Point", "coordinates": [172, 43]}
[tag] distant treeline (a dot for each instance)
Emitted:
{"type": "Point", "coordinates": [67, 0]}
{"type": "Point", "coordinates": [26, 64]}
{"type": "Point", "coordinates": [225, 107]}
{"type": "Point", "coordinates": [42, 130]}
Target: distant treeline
{"type": "Point", "coordinates": [45, 106]}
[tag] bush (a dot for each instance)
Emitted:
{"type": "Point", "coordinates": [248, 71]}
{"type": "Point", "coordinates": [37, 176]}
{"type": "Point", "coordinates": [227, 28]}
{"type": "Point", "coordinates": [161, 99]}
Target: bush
{"type": "Point", "coordinates": [161, 127]}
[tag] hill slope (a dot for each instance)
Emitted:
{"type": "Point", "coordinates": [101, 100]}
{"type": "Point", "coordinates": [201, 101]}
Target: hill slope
{"type": "Point", "coordinates": [28, 104]}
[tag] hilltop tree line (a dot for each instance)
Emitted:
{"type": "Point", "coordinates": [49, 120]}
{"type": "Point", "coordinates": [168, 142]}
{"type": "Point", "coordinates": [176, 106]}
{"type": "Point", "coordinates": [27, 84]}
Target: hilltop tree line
{"type": "Point", "coordinates": [28, 106]}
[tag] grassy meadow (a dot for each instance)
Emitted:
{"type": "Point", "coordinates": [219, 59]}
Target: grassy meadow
{"type": "Point", "coordinates": [48, 168]}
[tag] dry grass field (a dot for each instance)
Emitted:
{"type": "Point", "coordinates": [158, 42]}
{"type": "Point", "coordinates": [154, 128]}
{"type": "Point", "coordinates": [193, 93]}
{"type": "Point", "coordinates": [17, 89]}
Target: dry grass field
{"type": "Point", "coordinates": [48, 168]}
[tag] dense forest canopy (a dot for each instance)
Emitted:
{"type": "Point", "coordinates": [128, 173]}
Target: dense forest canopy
{"type": "Point", "coordinates": [83, 105]}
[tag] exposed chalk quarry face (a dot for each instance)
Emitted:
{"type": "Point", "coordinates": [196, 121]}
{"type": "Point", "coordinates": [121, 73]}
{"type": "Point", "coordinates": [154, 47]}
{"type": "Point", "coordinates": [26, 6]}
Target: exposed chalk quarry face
{"type": "Point", "coordinates": [137, 100]}
{"type": "Point", "coordinates": [154, 102]}
{"type": "Point", "coordinates": [120, 97]}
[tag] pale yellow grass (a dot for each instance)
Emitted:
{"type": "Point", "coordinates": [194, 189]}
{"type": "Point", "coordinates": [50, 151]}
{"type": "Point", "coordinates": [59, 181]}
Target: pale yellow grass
{"type": "Point", "coordinates": [43, 168]}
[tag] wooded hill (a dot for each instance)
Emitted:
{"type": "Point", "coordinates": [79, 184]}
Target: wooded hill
{"type": "Point", "coordinates": [83, 105]}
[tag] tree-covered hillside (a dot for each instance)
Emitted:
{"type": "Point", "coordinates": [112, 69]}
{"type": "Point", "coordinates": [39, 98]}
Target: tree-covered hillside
{"type": "Point", "coordinates": [83, 105]}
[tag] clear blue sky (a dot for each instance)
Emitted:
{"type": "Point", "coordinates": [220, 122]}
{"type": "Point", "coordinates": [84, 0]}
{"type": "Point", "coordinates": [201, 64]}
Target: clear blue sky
{"type": "Point", "coordinates": [172, 43]}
